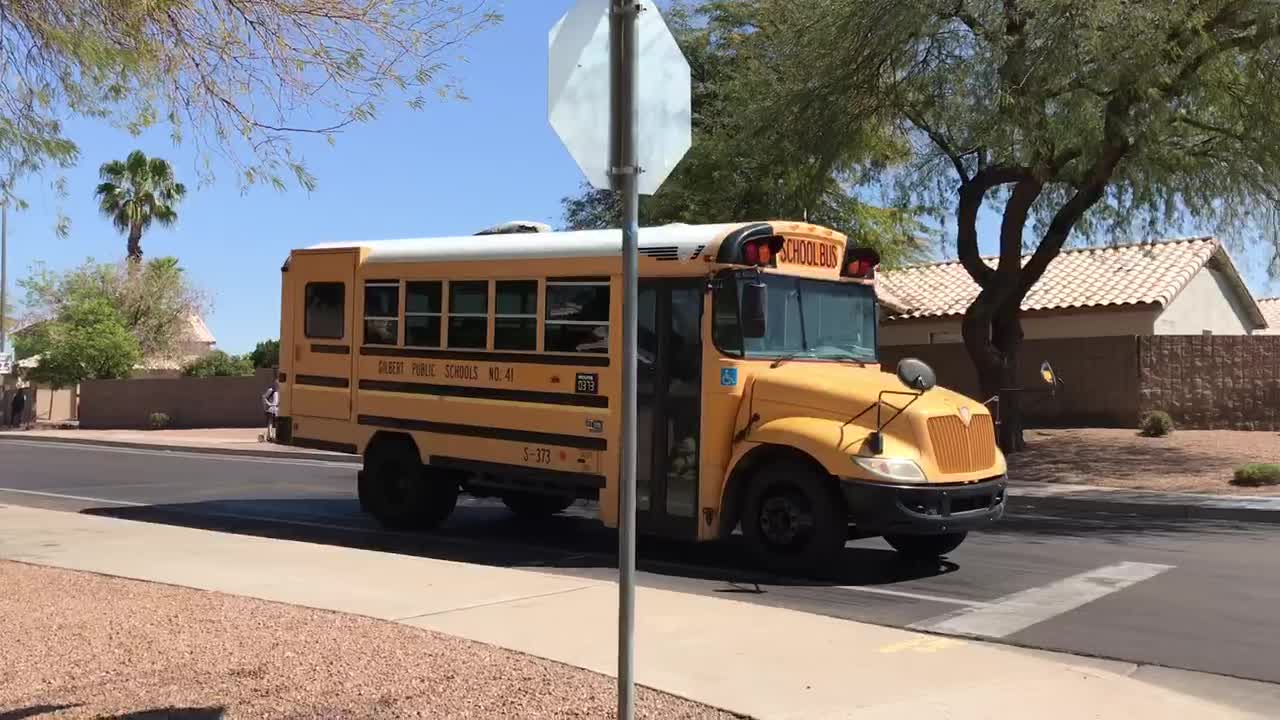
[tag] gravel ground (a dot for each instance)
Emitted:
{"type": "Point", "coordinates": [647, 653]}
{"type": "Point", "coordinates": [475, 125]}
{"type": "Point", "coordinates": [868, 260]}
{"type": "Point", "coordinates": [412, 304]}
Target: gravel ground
{"type": "Point", "coordinates": [1186, 461]}
{"type": "Point", "coordinates": [78, 645]}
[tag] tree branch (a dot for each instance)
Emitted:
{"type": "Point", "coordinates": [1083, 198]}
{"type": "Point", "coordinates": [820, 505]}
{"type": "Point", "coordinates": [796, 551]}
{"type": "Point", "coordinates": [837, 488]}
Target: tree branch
{"type": "Point", "coordinates": [938, 139]}
{"type": "Point", "coordinates": [1016, 210]}
{"type": "Point", "coordinates": [972, 194]}
{"type": "Point", "coordinates": [1070, 213]}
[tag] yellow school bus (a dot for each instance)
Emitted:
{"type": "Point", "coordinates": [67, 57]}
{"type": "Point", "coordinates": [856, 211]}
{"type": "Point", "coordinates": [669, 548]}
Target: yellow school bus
{"type": "Point", "coordinates": [491, 365]}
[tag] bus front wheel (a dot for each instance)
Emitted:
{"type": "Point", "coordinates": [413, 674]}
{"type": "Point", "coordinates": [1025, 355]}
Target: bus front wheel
{"type": "Point", "coordinates": [925, 547]}
{"type": "Point", "coordinates": [403, 494]}
{"type": "Point", "coordinates": [794, 520]}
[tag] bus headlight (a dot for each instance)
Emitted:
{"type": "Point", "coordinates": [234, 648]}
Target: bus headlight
{"type": "Point", "coordinates": [899, 469]}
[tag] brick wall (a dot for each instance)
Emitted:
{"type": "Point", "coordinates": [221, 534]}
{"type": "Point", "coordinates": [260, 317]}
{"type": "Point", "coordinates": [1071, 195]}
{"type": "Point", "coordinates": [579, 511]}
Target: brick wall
{"type": "Point", "coordinates": [189, 402]}
{"type": "Point", "coordinates": [1212, 382]}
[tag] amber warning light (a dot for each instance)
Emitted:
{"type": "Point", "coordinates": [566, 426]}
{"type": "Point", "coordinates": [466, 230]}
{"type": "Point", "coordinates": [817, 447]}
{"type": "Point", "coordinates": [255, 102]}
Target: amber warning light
{"type": "Point", "coordinates": [860, 263]}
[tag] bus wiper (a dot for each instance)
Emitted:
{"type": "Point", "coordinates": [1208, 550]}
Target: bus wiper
{"type": "Point", "coordinates": [789, 356]}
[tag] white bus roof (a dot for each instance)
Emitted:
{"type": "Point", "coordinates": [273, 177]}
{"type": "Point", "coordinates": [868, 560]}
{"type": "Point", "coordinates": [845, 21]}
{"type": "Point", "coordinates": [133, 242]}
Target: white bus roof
{"type": "Point", "coordinates": [680, 242]}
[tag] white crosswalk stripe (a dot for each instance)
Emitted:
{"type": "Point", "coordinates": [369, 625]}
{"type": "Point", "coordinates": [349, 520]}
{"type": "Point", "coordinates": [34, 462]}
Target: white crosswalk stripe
{"type": "Point", "coordinates": [1006, 616]}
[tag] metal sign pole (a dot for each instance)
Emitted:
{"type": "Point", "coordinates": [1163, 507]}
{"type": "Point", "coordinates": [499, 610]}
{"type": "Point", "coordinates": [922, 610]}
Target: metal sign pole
{"type": "Point", "coordinates": [4, 268]}
{"type": "Point", "coordinates": [622, 60]}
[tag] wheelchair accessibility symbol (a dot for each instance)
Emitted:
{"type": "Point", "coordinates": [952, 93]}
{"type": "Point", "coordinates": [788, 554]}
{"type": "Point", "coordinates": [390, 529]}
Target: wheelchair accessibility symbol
{"type": "Point", "coordinates": [728, 377]}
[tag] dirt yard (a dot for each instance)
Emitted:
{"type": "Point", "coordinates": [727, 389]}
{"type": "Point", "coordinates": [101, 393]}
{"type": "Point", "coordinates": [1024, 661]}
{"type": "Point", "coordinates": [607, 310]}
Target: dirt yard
{"type": "Point", "coordinates": [1186, 461]}
{"type": "Point", "coordinates": [77, 645]}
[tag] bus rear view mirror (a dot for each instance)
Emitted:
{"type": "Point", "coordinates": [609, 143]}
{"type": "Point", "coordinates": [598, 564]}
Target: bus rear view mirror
{"type": "Point", "coordinates": [755, 305]}
{"type": "Point", "coordinates": [916, 374]}
{"type": "Point", "coordinates": [1047, 374]}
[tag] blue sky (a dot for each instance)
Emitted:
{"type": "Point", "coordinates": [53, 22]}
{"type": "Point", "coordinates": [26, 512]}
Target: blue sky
{"type": "Point", "coordinates": [449, 169]}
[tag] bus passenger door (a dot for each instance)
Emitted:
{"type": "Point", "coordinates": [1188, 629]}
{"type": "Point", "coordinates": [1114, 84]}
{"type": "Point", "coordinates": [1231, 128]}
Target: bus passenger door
{"type": "Point", "coordinates": [324, 341]}
{"type": "Point", "coordinates": [669, 395]}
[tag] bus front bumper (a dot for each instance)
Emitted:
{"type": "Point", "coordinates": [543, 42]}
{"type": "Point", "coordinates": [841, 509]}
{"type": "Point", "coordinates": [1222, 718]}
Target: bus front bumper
{"type": "Point", "coordinates": [878, 508]}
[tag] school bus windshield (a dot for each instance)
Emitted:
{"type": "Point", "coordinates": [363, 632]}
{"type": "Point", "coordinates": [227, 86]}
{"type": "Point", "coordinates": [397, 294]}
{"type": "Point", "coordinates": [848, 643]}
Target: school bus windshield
{"type": "Point", "coordinates": [812, 319]}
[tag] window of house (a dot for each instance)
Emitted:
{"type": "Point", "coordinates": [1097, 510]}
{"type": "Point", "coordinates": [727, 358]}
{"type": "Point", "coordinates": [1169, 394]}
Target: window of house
{"type": "Point", "coordinates": [381, 312]}
{"type": "Point", "coordinates": [469, 314]}
{"type": "Point", "coordinates": [422, 313]}
{"type": "Point", "coordinates": [577, 316]}
{"type": "Point", "coordinates": [515, 315]}
{"type": "Point", "coordinates": [324, 316]}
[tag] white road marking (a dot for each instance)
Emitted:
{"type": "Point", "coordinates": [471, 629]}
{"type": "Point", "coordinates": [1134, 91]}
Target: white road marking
{"type": "Point", "coordinates": [73, 497]}
{"type": "Point", "coordinates": [914, 595]}
{"type": "Point", "coordinates": [1021, 610]}
{"type": "Point", "coordinates": [215, 514]}
{"type": "Point", "coordinates": [160, 450]}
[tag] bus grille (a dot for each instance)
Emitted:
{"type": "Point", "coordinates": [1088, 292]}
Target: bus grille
{"type": "Point", "coordinates": [959, 448]}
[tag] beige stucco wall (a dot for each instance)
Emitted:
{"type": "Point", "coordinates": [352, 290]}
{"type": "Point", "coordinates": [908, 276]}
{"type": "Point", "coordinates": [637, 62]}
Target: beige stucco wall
{"type": "Point", "coordinates": [55, 405]}
{"type": "Point", "coordinates": [1207, 303]}
{"type": "Point", "coordinates": [1086, 323]}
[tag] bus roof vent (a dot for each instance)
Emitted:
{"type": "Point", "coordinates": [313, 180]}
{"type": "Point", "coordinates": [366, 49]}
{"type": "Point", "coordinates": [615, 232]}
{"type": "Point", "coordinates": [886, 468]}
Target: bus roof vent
{"type": "Point", "coordinates": [665, 252]}
{"type": "Point", "coordinates": [516, 226]}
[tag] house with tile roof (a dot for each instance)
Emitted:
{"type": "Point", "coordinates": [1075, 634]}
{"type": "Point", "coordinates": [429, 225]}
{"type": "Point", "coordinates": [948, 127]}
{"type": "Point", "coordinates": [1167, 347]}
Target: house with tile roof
{"type": "Point", "coordinates": [1270, 311]}
{"type": "Point", "coordinates": [1186, 286]}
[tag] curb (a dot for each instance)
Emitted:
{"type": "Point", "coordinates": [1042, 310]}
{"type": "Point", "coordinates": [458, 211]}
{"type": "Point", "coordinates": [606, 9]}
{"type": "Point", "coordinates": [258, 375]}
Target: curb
{"type": "Point", "coordinates": [319, 455]}
{"type": "Point", "coordinates": [1168, 511]}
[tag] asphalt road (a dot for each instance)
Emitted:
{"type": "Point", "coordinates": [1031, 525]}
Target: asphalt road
{"type": "Point", "coordinates": [1196, 595]}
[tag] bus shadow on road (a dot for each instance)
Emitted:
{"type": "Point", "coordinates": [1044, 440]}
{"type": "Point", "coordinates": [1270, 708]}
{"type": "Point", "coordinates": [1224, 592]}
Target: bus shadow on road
{"type": "Point", "coordinates": [572, 543]}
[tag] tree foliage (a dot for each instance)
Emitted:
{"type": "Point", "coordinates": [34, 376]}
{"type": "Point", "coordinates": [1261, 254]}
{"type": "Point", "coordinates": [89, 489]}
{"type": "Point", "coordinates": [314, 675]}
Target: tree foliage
{"type": "Point", "coordinates": [266, 354]}
{"type": "Point", "coordinates": [155, 303]}
{"type": "Point", "coordinates": [239, 78]}
{"type": "Point", "coordinates": [219, 364]}
{"type": "Point", "coordinates": [86, 341]}
{"type": "Point", "coordinates": [1110, 119]}
{"type": "Point", "coordinates": [744, 163]}
{"type": "Point", "coordinates": [134, 193]}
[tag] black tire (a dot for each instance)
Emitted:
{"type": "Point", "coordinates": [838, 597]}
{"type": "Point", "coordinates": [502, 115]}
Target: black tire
{"type": "Point", "coordinates": [533, 505]}
{"type": "Point", "coordinates": [925, 547]}
{"type": "Point", "coordinates": [794, 519]}
{"type": "Point", "coordinates": [401, 493]}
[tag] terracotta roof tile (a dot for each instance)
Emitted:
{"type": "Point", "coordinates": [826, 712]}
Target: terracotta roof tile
{"type": "Point", "coordinates": [1271, 311]}
{"type": "Point", "coordinates": [1148, 273]}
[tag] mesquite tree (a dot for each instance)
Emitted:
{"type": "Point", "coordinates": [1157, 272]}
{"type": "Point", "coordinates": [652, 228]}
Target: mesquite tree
{"type": "Point", "coordinates": [1112, 119]}
{"type": "Point", "coordinates": [238, 79]}
{"type": "Point", "coordinates": [744, 166]}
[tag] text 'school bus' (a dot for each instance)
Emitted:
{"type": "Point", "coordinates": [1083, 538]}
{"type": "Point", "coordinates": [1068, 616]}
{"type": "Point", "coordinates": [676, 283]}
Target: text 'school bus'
{"type": "Point", "coordinates": [491, 365]}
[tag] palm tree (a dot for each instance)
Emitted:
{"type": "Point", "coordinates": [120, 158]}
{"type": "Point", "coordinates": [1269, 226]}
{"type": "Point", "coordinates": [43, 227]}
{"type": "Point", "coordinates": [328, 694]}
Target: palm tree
{"type": "Point", "coordinates": [135, 192]}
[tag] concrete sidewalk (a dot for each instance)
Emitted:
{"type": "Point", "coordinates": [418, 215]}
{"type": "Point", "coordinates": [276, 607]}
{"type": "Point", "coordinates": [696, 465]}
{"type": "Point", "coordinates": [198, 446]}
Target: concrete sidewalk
{"type": "Point", "coordinates": [752, 659]}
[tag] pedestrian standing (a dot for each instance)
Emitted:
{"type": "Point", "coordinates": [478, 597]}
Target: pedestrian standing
{"type": "Point", "coordinates": [17, 408]}
{"type": "Point", "coordinates": [271, 407]}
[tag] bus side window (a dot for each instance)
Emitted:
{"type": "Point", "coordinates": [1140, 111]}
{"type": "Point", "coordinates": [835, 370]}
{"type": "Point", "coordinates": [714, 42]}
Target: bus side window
{"type": "Point", "coordinates": [515, 316]}
{"type": "Point", "coordinates": [422, 306]}
{"type": "Point", "coordinates": [381, 313]}
{"type": "Point", "coordinates": [324, 318]}
{"type": "Point", "coordinates": [577, 316]}
{"type": "Point", "coordinates": [468, 314]}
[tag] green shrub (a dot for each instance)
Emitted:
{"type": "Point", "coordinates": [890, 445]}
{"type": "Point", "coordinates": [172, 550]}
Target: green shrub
{"type": "Point", "coordinates": [1156, 423]}
{"type": "Point", "coordinates": [1257, 474]}
{"type": "Point", "coordinates": [219, 364]}
{"type": "Point", "coordinates": [158, 420]}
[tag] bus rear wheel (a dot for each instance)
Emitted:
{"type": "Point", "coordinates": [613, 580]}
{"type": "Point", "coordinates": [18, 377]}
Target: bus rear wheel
{"type": "Point", "coordinates": [403, 494]}
{"type": "Point", "coordinates": [925, 547]}
{"type": "Point", "coordinates": [794, 521]}
{"type": "Point", "coordinates": [533, 505]}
